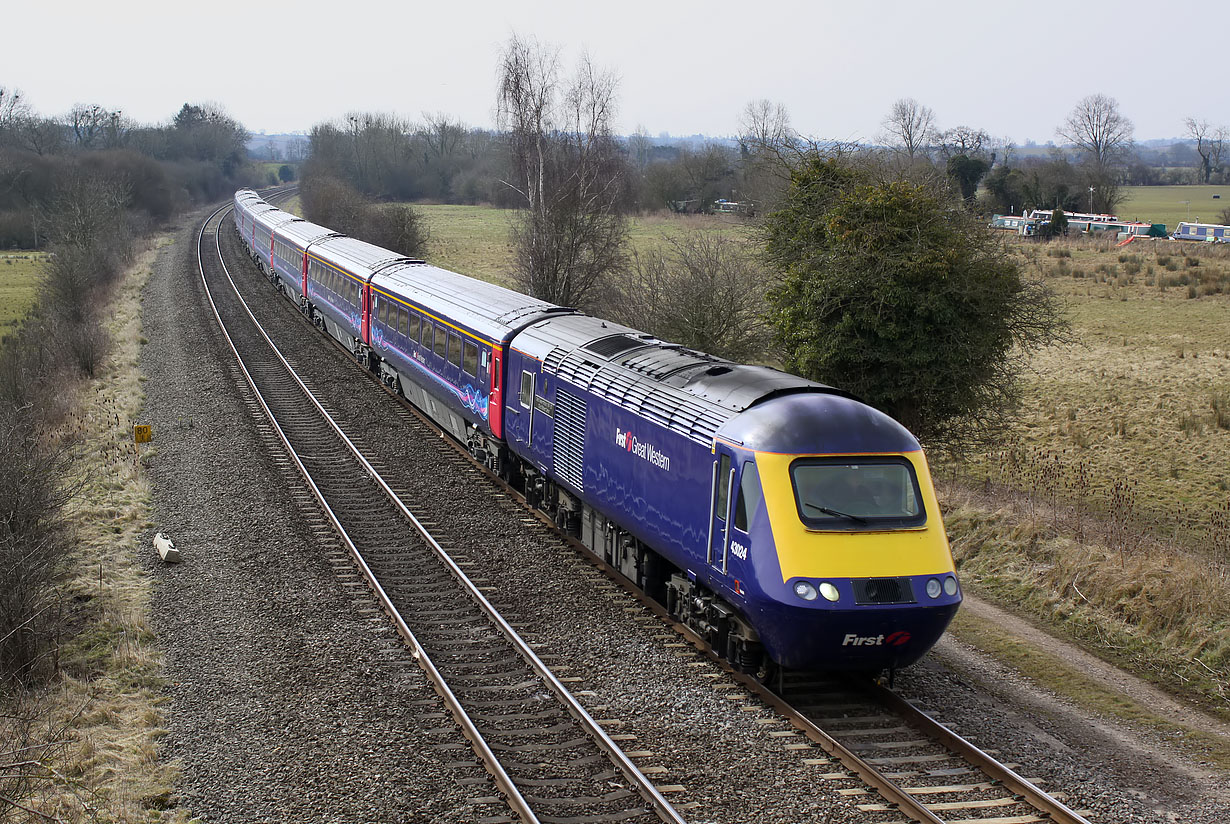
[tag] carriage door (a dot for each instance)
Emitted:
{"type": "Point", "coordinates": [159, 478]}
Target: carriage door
{"type": "Point", "coordinates": [723, 485]}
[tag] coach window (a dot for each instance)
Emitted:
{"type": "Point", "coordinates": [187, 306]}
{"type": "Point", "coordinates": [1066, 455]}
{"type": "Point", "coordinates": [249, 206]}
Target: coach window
{"type": "Point", "coordinates": [469, 358]}
{"type": "Point", "coordinates": [412, 325]}
{"type": "Point", "coordinates": [441, 347]}
{"type": "Point", "coordinates": [454, 349]}
{"type": "Point", "coordinates": [382, 307]}
{"type": "Point", "coordinates": [426, 336]}
{"type": "Point", "coordinates": [527, 388]}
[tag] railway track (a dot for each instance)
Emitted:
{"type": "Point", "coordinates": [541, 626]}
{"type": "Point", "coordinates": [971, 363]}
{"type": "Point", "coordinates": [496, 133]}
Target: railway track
{"type": "Point", "coordinates": [549, 759]}
{"type": "Point", "coordinates": [894, 762]}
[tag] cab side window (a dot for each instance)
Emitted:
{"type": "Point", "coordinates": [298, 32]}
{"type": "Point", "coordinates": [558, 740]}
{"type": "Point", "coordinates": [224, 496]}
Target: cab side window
{"type": "Point", "coordinates": [723, 493]}
{"type": "Point", "coordinates": [750, 496]}
{"type": "Point", "coordinates": [527, 389]}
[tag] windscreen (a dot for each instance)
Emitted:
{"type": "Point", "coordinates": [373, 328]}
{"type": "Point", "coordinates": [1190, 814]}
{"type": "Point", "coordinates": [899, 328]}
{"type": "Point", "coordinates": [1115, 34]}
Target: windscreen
{"type": "Point", "coordinates": [851, 493]}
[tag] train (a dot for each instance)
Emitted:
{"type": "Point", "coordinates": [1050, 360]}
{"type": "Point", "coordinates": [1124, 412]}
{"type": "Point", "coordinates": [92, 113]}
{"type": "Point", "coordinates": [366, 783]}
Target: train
{"type": "Point", "coordinates": [791, 525]}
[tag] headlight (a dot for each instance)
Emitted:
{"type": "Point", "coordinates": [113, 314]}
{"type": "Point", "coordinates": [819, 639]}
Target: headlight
{"type": "Point", "coordinates": [950, 585]}
{"type": "Point", "coordinates": [805, 590]}
{"type": "Point", "coordinates": [934, 587]}
{"type": "Point", "coordinates": [829, 591]}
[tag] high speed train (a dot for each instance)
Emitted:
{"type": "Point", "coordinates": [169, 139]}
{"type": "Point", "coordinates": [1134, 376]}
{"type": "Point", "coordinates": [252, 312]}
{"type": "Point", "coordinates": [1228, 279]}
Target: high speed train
{"type": "Point", "coordinates": [786, 521]}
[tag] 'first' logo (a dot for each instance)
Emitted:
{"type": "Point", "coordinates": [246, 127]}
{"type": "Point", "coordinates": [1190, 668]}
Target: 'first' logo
{"type": "Point", "coordinates": [621, 439]}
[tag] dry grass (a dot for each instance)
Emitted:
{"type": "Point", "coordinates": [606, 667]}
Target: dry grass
{"type": "Point", "coordinates": [1148, 606]}
{"type": "Point", "coordinates": [111, 690]}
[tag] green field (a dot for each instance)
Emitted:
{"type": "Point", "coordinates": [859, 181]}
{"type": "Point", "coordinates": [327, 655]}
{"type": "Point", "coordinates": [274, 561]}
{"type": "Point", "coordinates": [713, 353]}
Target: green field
{"type": "Point", "coordinates": [20, 273]}
{"type": "Point", "coordinates": [1172, 204]}
{"type": "Point", "coordinates": [473, 240]}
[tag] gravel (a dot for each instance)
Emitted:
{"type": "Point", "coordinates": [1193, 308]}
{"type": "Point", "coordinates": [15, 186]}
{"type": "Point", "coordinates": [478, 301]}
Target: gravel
{"type": "Point", "coordinates": [289, 705]}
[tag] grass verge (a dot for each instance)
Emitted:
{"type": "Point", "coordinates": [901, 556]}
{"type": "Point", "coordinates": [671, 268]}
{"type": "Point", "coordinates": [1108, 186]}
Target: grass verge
{"type": "Point", "coordinates": [111, 691]}
{"type": "Point", "coordinates": [1079, 688]}
{"type": "Point", "coordinates": [1150, 610]}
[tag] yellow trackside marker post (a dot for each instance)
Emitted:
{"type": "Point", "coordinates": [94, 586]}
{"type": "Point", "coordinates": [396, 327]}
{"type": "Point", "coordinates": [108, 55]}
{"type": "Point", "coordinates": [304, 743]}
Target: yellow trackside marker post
{"type": "Point", "coordinates": [141, 433]}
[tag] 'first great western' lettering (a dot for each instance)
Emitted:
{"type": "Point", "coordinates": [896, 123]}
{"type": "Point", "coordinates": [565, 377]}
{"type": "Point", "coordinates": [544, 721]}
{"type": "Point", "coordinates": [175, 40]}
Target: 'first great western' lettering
{"type": "Point", "coordinates": [643, 450]}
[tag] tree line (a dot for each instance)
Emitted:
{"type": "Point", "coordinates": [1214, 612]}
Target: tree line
{"type": "Point", "coordinates": [199, 155]}
{"type": "Point", "coordinates": [867, 267]}
{"type": "Point", "coordinates": [1087, 173]}
{"type": "Point", "coordinates": [441, 159]}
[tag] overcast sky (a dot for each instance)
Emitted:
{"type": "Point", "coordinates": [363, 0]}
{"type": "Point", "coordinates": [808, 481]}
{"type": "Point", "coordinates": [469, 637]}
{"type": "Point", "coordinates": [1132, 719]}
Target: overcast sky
{"type": "Point", "coordinates": [1013, 69]}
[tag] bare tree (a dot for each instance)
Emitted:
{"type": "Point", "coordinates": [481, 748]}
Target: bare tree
{"type": "Point", "coordinates": [568, 173]}
{"type": "Point", "coordinates": [910, 126]}
{"type": "Point", "coordinates": [14, 112]}
{"type": "Point", "coordinates": [703, 290]}
{"type": "Point", "coordinates": [41, 135]}
{"type": "Point", "coordinates": [963, 140]}
{"type": "Point", "coordinates": [1210, 144]}
{"type": "Point", "coordinates": [764, 126]}
{"type": "Point", "coordinates": [1217, 147]}
{"type": "Point", "coordinates": [445, 140]}
{"type": "Point", "coordinates": [89, 123]}
{"type": "Point", "coordinates": [770, 149]}
{"type": "Point", "coordinates": [1098, 128]}
{"type": "Point", "coordinates": [640, 148]}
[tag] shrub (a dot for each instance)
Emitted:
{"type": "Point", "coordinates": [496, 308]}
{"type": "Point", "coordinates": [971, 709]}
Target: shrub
{"type": "Point", "coordinates": [397, 227]}
{"type": "Point", "coordinates": [34, 542]}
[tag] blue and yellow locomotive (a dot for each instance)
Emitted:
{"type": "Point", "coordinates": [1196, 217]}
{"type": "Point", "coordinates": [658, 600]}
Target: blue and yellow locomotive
{"type": "Point", "coordinates": [784, 520]}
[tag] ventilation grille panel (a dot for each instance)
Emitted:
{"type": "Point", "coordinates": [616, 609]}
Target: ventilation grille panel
{"type": "Point", "coordinates": [569, 445]}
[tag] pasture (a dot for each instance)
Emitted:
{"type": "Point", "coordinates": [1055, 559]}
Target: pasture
{"type": "Point", "coordinates": [1142, 395]}
{"type": "Point", "coordinates": [20, 274]}
{"type": "Point", "coordinates": [1172, 204]}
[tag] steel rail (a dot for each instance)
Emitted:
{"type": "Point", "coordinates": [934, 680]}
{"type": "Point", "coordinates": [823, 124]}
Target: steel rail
{"type": "Point", "coordinates": [513, 796]}
{"type": "Point", "coordinates": [1017, 784]}
{"type": "Point", "coordinates": [645, 787]}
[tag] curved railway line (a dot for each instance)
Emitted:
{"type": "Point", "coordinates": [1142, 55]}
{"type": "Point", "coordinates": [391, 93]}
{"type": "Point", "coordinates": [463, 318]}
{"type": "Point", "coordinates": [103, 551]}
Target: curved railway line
{"type": "Point", "coordinates": [538, 743]}
{"type": "Point", "coordinates": [889, 758]}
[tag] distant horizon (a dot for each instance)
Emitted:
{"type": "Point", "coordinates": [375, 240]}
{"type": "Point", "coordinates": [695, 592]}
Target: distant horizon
{"type": "Point", "coordinates": [836, 68]}
{"type": "Point", "coordinates": [669, 136]}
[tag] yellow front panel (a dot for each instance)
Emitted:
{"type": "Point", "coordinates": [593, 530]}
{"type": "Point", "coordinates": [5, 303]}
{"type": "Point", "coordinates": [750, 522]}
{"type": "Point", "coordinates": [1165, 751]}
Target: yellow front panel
{"type": "Point", "coordinates": [810, 553]}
